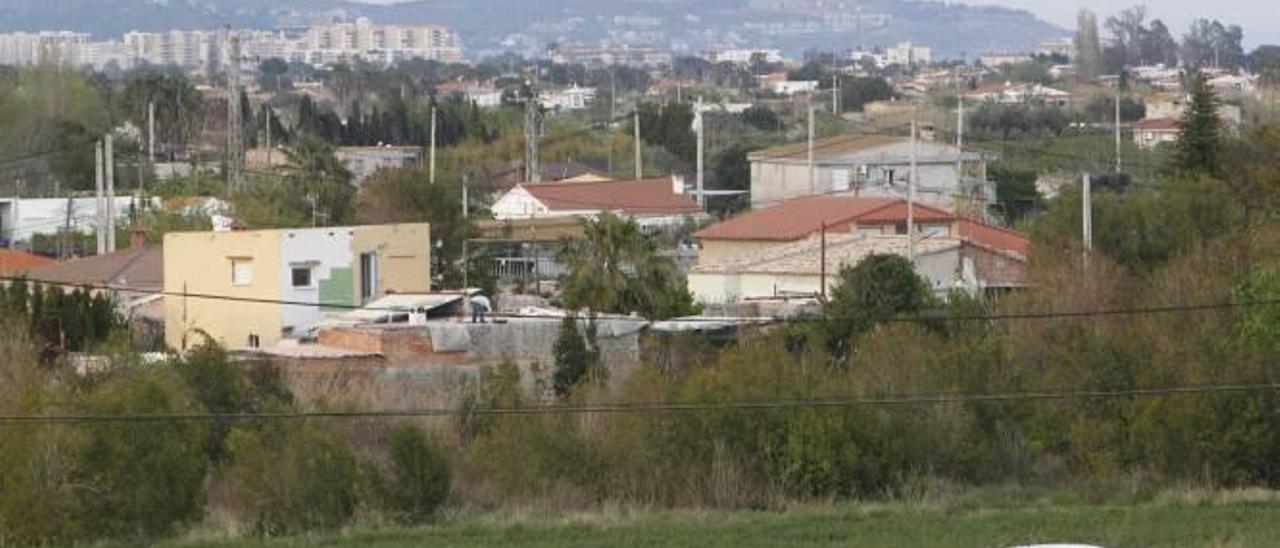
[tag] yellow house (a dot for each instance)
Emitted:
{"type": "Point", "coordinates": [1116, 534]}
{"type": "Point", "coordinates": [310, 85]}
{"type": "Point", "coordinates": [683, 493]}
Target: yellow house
{"type": "Point", "coordinates": [248, 289]}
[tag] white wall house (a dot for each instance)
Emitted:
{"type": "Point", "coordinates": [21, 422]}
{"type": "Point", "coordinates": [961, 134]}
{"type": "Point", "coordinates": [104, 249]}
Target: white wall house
{"type": "Point", "coordinates": [792, 87]}
{"type": "Point", "coordinates": [1149, 134]}
{"type": "Point", "coordinates": [795, 270]}
{"type": "Point", "coordinates": [571, 98]}
{"type": "Point", "coordinates": [365, 161]}
{"type": "Point", "coordinates": [871, 166]}
{"type": "Point", "coordinates": [22, 218]}
{"type": "Point", "coordinates": [651, 202]}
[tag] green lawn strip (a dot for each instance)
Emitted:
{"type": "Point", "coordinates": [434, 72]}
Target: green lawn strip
{"type": "Point", "coordinates": [1147, 525]}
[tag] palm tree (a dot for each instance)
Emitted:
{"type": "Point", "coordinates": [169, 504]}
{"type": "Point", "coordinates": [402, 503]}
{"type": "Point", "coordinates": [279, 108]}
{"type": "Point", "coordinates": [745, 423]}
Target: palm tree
{"type": "Point", "coordinates": [617, 268]}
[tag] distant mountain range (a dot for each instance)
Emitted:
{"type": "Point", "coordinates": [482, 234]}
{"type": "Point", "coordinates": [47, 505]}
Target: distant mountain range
{"type": "Point", "coordinates": [491, 26]}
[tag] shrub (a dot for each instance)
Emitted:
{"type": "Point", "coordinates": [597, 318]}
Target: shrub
{"type": "Point", "coordinates": [290, 478]}
{"type": "Point", "coordinates": [140, 479]}
{"type": "Point", "coordinates": [419, 480]}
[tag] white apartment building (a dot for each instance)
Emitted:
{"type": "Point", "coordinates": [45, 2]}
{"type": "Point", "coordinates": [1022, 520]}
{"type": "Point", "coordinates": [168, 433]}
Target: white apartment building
{"type": "Point", "coordinates": [742, 56]}
{"type": "Point", "coordinates": [27, 48]}
{"type": "Point", "coordinates": [377, 43]}
{"type": "Point", "coordinates": [321, 44]}
{"type": "Point", "coordinates": [909, 55]}
{"type": "Point", "coordinates": [609, 55]}
{"type": "Point", "coordinates": [183, 48]}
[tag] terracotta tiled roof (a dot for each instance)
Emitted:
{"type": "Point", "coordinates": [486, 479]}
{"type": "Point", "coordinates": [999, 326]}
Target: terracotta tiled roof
{"type": "Point", "coordinates": [994, 238]}
{"type": "Point", "coordinates": [826, 148]}
{"type": "Point", "coordinates": [1159, 124]}
{"type": "Point", "coordinates": [796, 219]}
{"type": "Point", "coordinates": [20, 262]}
{"type": "Point", "coordinates": [643, 197]}
{"type": "Point", "coordinates": [141, 269]}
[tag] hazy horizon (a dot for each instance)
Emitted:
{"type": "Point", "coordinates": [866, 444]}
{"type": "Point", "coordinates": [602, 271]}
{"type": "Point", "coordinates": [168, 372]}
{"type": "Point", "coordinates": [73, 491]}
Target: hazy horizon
{"type": "Point", "coordinates": [1261, 26]}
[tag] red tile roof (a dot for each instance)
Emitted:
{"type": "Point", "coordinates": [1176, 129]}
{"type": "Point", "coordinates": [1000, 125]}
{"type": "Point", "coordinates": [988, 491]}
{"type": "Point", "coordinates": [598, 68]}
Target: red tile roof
{"type": "Point", "coordinates": [801, 217]}
{"type": "Point", "coordinates": [20, 262]}
{"type": "Point", "coordinates": [643, 197]}
{"type": "Point", "coordinates": [994, 238]}
{"type": "Point", "coordinates": [139, 268]}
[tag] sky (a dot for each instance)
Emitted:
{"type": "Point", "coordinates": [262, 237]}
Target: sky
{"type": "Point", "coordinates": [1259, 18]}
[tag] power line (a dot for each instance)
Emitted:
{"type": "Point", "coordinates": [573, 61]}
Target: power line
{"type": "Point", "coordinates": [891, 401]}
{"type": "Point", "coordinates": [917, 318]}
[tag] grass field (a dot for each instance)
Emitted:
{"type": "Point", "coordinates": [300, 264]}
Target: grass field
{"type": "Point", "coordinates": [1225, 522]}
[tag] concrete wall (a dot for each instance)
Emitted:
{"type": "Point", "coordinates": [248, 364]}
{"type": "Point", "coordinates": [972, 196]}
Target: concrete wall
{"type": "Point", "coordinates": [324, 250]}
{"type": "Point", "coordinates": [404, 257]}
{"type": "Point", "coordinates": [22, 218]}
{"type": "Point", "coordinates": [200, 262]}
{"type": "Point", "coordinates": [777, 180]}
{"type": "Point", "coordinates": [939, 269]}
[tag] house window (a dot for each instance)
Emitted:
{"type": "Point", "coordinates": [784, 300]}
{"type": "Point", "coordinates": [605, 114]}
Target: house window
{"type": "Point", "coordinates": [301, 276]}
{"type": "Point", "coordinates": [241, 271]}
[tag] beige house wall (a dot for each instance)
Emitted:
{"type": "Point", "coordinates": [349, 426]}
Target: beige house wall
{"type": "Point", "coordinates": [404, 257]}
{"type": "Point", "coordinates": [200, 263]}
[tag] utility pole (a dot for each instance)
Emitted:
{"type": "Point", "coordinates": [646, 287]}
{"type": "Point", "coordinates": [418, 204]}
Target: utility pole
{"type": "Point", "coordinates": [532, 131]}
{"type": "Point", "coordinates": [63, 252]}
{"type": "Point", "coordinates": [433, 143]}
{"type": "Point", "coordinates": [698, 122]}
{"type": "Point", "coordinates": [235, 117]}
{"type": "Point", "coordinates": [100, 209]}
{"type": "Point", "coordinates": [639, 159]}
{"type": "Point", "coordinates": [1086, 207]}
{"type": "Point", "coordinates": [151, 135]}
{"type": "Point", "coordinates": [466, 200]}
{"type": "Point", "coordinates": [835, 93]}
{"type": "Point", "coordinates": [813, 171]}
{"type": "Point", "coordinates": [822, 280]}
{"type": "Point", "coordinates": [1119, 158]}
{"type": "Point", "coordinates": [613, 112]}
{"type": "Point", "coordinates": [269, 117]}
{"type": "Point", "coordinates": [911, 200]}
{"type": "Point", "coordinates": [111, 193]}
{"type": "Point", "coordinates": [960, 124]}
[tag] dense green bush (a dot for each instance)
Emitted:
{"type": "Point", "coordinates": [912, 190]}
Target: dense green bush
{"type": "Point", "coordinates": [140, 479]}
{"type": "Point", "coordinates": [292, 477]}
{"type": "Point", "coordinates": [418, 482]}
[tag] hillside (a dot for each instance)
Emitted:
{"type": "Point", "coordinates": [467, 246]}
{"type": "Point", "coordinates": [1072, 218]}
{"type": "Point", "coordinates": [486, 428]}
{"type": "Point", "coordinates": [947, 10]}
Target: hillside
{"type": "Point", "coordinates": [490, 26]}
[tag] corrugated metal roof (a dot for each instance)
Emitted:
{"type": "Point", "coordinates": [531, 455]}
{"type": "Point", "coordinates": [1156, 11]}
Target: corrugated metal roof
{"type": "Point", "coordinates": [381, 309]}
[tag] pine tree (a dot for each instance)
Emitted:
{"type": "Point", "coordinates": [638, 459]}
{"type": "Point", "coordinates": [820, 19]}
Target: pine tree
{"type": "Point", "coordinates": [1199, 148]}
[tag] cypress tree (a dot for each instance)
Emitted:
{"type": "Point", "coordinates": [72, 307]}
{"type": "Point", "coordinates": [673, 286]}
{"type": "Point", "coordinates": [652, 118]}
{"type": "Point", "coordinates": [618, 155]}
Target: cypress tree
{"type": "Point", "coordinates": [1199, 148]}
